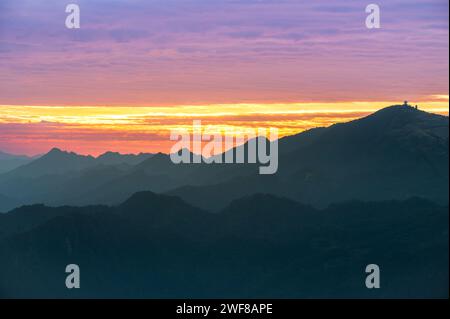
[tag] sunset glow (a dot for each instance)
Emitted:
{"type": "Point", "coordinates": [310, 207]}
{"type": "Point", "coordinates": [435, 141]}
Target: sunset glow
{"type": "Point", "coordinates": [137, 69]}
{"type": "Point", "coordinates": [95, 129]}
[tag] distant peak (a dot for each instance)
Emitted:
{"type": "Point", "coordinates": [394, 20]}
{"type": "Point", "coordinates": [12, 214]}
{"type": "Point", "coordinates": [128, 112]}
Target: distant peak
{"type": "Point", "coordinates": [403, 110]}
{"type": "Point", "coordinates": [109, 154]}
{"type": "Point", "coordinates": [55, 150]}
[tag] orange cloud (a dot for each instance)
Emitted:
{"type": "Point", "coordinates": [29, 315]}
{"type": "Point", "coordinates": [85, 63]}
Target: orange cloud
{"type": "Point", "coordinates": [94, 130]}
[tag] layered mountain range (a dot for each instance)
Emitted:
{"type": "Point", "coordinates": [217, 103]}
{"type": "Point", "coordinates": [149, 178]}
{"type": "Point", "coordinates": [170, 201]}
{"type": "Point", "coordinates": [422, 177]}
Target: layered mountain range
{"type": "Point", "coordinates": [370, 191]}
{"type": "Point", "coordinates": [395, 153]}
{"type": "Point", "coordinates": [260, 246]}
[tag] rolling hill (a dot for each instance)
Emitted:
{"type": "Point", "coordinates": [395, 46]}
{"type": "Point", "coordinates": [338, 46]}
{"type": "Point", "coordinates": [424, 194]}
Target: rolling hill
{"type": "Point", "coordinates": [259, 246]}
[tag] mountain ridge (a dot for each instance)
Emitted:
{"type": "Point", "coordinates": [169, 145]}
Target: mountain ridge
{"type": "Point", "coordinates": [242, 252]}
{"type": "Point", "coordinates": [395, 153]}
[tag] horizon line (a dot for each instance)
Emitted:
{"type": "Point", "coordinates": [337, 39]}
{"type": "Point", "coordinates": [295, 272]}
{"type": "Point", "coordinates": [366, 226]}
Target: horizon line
{"type": "Point", "coordinates": [66, 150]}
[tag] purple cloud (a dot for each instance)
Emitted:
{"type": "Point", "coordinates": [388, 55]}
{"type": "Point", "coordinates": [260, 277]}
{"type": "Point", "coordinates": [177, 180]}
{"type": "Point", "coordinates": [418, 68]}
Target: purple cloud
{"type": "Point", "coordinates": [211, 51]}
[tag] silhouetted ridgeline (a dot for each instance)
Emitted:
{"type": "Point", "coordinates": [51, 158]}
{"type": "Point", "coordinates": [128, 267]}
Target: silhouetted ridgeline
{"type": "Point", "coordinates": [396, 153]}
{"type": "Point", "coordinates": [158, 246]}
{"type": "Point", "coordinates": [131, 242]}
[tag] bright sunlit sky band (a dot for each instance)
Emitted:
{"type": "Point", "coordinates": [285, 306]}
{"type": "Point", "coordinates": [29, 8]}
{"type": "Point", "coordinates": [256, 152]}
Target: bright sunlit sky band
{"type": "Point", "coordinates": [94, 130]}
{"type": "Point", "coordinates": [138, 68]}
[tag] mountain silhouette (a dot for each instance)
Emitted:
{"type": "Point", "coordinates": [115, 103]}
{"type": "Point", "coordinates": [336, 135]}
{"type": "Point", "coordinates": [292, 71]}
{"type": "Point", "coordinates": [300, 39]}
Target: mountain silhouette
{"type": "Point", "coordinates": [54, 162]}
{"type": "Point", "coordinates": [396, 153]}
{"type": "Point", "coordinates": [259, 246]}
{"type": "Point", "coordinates": [114, 158]}
{"type": "Point", "coordinates": [61, 177]}
{"type": "Point", "coordinates": [57, 161]}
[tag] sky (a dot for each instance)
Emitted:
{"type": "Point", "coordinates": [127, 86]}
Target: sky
{"type": "Point", "coordinates": [136, 69]}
